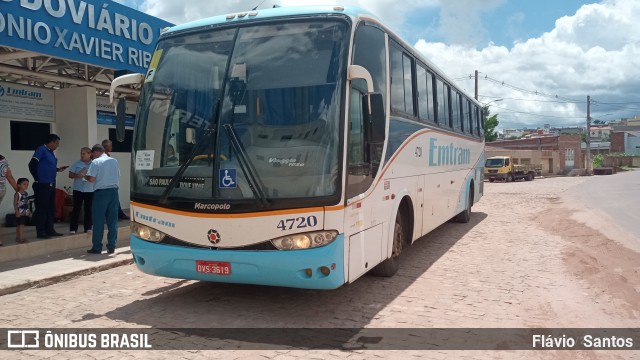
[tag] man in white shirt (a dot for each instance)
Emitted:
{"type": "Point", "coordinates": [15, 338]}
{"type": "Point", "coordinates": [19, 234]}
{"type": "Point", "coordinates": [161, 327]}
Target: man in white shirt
{"type": "Point", "coordinates": [108, 147]}
{"type": "Point", "coordinates": [104, 173]}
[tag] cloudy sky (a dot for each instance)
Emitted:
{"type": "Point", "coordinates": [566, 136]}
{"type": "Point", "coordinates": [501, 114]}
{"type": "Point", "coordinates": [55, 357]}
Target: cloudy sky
{"type": "Point", "coordinates": [542, 58]}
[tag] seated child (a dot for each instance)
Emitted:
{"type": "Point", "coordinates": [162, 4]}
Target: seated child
{"type": "Point", "coordinates": [21, 206]}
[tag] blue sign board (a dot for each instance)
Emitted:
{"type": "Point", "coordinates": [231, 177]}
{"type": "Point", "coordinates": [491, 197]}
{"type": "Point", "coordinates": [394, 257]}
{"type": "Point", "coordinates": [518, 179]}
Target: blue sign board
{"type": "Point", "coordinates": [109, 118]}
{"type": "Point", "coordinates": [101, 33]}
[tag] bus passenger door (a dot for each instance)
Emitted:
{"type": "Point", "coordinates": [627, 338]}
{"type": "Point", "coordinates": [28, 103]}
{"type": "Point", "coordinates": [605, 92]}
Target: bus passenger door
{"type": "Point", "coordinates": [435, 200]}
{"type": "Point", "coordinates": [365, 245]}
{"type": "Point", "coordinates": [419, 207]}
{"type": "Point", "coordinates": [359, 168]}
{"type": "Point", "coordinates": [366, 220]}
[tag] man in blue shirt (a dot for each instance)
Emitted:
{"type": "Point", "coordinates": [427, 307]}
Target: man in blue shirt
{"type": "Point", "coordinates": [44, 168]}
{"type": "Point", "coordinates": [104, 173]}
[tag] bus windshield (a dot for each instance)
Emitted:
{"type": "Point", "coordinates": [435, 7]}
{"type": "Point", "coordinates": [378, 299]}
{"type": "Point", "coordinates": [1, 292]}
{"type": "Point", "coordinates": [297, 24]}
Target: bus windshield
{"type": "Point", "coordinates": [247, 114]}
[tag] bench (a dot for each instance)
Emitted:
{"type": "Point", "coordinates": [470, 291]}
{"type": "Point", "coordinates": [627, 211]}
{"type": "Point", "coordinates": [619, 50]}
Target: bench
{"type": "Point", "coordinates": [604, 171]}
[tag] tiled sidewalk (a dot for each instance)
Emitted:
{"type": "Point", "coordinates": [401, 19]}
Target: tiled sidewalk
{"type": "Point", "coordinates": [41, 262]}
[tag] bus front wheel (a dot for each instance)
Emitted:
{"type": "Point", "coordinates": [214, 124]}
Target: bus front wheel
{"type": "Point", "coordinates": [390, 266]}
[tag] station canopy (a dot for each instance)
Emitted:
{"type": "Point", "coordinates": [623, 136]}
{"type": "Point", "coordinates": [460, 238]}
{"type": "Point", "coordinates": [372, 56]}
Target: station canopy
{"type": "Point", "coordinates": [31, 68]}
{"type": "Point", "coordinates": [61, 44]}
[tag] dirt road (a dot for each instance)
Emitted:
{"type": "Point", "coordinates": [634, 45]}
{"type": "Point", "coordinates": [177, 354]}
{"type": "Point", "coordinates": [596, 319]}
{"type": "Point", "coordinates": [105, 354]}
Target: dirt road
{"type": "Point", "coordinates": [530, 258]}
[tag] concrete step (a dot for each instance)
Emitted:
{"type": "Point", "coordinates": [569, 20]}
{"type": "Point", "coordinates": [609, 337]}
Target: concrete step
{"type": "Point", "coordinates": [43, 262]}
{"type": "Point", "coordinates": [35, 247]}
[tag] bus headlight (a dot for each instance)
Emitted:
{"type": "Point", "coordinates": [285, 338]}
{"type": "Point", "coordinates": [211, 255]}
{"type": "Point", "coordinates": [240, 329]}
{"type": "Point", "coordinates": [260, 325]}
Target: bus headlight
{"type": "Point", "coordinates": [146, 233]}
{"type": "Point", "coordinates": [305, 240]}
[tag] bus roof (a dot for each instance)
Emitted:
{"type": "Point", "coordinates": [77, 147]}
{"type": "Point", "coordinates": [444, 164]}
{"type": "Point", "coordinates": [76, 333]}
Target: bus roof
{"type": "Point", "coordinates": [274, 13]}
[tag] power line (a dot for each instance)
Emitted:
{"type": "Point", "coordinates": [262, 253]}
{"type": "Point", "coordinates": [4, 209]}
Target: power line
{"type": "Point", "coordinates": [612, 103]}
{"type": "Point", "coordinates": [522, 90]}
{"type": "Point", "coordinates": [559, 99]}
{"type": "Point", "coordinates": [620, 107]}
{"type": "Point", "coordinates": [526, 113]}
{"type": "Point", "coordinates": [556, 99]}
{"type": "Point", "coordinates": [534, 100]}
{"type": "Point", "coordinates": [530, 92]}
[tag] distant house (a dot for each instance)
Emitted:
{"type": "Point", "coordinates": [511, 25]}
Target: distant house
{"type": "Point", "coordinates": [513, 133]}
{"type": "Point", "coordinates": [558, 154]}
{"type": "Point", "coordinates": [571, 130]}
{"type": "Point", "coordinates": [600, 132]}
{"type": "Point", "coordinates": [626, 139]}
{"type": "Point", "coordinates": [625, 136]}
{"type": "Point", "coordinates": [598, 147]}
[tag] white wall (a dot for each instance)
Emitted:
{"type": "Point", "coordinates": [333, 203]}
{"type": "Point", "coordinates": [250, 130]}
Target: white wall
{"type": "Point", "coordinates": [18, 162]}
{"type": "Point", "coordinates": [76, 124]}
{"type": "Point", "coordinates": [75, 110]}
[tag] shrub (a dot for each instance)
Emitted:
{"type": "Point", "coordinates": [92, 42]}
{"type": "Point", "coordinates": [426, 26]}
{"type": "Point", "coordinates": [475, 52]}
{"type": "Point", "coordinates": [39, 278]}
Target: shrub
{"type": "Point", "coordinates": [598, 160]}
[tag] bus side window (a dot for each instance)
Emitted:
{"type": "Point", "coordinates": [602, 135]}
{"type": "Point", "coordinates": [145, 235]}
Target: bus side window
{"type": "Point", "coordinates": [359, 173]}
{"type": "Point", "coordinates": [425, 94]}
{"type": "Point", "coordinates": [455, 110]}
{"type": "Point", "coordinates": [356, 132]}
{"type": "Point", "coordinates": [363, 159]}
{"type": "Point", "coordinates": [481, 118]}
{"type": "Point", "coordinates": [469, 117]}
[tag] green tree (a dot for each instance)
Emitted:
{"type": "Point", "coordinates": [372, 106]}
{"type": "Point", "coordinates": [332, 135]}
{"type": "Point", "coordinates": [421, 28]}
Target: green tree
{"type": "Point", "coordinates": [490, 125]}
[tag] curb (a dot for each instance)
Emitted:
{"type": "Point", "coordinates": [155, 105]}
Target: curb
{"type": "Point", "coordinates": [55, 245]}
{"type": "Point", "coordinates": [33, 284]}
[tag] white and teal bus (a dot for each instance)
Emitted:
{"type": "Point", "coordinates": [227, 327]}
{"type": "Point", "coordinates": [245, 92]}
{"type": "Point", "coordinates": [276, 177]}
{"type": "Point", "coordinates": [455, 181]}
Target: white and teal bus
{"type": "Point", "coordinates": [297, 147]}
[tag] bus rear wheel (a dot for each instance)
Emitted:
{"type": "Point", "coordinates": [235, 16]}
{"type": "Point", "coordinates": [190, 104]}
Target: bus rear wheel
{"type": "Point", "coordinates": [390, 266]}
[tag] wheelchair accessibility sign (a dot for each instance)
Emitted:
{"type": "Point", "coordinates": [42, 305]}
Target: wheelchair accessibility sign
{"type": "Point", "coordinates": [227, 179]}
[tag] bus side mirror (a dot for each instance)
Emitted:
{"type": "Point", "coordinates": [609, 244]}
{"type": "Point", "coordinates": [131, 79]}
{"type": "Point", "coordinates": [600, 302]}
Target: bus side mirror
{"type": "Point", "coordinates": [374, 119]}
{"type": "Point", "coordinates": [121, 110]}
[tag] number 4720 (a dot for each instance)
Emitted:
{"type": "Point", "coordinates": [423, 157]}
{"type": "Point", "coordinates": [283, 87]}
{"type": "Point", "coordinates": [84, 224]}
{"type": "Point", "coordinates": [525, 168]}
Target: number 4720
{"type": "Point", "coordinates": [298, 223]}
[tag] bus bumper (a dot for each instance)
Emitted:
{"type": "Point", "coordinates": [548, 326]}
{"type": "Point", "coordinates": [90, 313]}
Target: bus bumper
{"type": "Point", "coordinates": [276, 268]}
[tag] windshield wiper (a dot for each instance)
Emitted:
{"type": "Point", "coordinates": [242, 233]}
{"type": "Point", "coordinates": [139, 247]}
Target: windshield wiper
{"type": "Point", "coordinates": [205, 140]}
{"type": "Point", "coordinates": [246, 166]}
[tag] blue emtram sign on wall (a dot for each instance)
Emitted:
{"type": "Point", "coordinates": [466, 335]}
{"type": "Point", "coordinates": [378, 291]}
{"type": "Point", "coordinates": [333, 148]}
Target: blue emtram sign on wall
{"type": "Point", "coordinates": [101, 33]}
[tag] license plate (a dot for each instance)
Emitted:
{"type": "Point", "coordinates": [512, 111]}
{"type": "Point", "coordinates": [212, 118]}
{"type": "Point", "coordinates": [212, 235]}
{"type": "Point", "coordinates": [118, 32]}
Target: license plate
{"type": "Point", "coordinates": [213, 267]}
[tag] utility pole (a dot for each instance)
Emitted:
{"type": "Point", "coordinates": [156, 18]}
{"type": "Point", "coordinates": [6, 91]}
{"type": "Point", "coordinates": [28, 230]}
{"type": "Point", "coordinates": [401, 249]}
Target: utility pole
{"type": "Point", "coordinates": [588, 137]}
{"type": "Point", "coordinates": [476, 85]}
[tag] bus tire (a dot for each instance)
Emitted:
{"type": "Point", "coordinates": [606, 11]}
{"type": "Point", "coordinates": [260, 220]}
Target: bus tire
{"type": "Point", "coordinates": [465, 215]}
{"type": "Point", "coordinates": [390, 266]}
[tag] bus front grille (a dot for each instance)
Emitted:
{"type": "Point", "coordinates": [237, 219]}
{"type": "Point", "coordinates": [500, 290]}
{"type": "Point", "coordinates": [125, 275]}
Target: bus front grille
{"type": "Point", "coordinates": [170, 240]}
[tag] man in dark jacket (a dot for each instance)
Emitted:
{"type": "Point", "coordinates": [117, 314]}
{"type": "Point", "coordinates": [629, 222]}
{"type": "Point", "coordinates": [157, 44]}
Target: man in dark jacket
{"type": "Point", "coordinates": [44, 168]}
